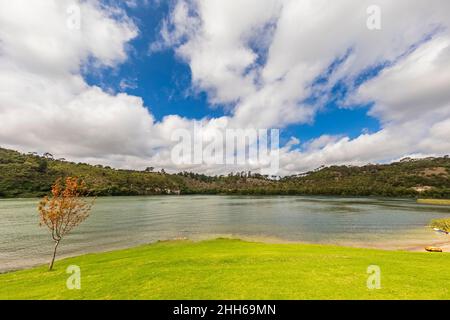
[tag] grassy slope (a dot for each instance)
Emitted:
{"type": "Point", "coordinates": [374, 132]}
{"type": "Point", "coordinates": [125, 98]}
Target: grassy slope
{"type": "Point", "coordinates": [233, 269]}
{"type": "Point", "coordinates": [442, 202]}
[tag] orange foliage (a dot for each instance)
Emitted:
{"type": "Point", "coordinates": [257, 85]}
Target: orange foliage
{"type": "Point", "coordinates": [66, 208]}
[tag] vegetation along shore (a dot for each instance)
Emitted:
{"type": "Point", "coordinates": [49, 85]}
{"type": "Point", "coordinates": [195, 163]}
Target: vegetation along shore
{"type": "Point", "coordinates": [442, 202]}
{"type": "Point", "coordinates": [31, 175]}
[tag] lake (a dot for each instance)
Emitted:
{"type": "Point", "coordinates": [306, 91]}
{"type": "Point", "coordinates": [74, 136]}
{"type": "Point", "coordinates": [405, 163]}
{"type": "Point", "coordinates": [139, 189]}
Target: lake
{"type": "Point", "coordinates": [120, 222]}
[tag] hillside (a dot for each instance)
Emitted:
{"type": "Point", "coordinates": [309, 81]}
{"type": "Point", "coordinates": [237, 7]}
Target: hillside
{"type": "Point", "coordinates": [409, 177]}
{"type": "Point", "coordinates": [31, 175]}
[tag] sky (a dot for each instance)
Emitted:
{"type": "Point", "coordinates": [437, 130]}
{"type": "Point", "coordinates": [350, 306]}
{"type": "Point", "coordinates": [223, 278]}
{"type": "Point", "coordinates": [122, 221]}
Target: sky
{"type": "Point", "coordinates": [108, 82]}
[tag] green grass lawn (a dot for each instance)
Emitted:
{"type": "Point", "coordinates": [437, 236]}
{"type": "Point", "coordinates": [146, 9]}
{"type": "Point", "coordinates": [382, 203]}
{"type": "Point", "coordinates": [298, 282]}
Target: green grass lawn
{"type": "Point", "coordinates": [442, 202]}
{"type": "Point", "coordinates": [234, 269]}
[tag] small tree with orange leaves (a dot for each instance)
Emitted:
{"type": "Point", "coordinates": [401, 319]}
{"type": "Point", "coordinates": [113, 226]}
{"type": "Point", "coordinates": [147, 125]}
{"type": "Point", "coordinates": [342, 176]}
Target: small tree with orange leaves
{"type": "Point", "coordinates": [65, 209]}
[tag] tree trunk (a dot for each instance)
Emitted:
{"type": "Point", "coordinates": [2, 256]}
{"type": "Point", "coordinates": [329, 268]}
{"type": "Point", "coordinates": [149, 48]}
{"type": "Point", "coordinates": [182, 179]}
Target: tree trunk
{"type": "Point", "coordinates": [50, 267]}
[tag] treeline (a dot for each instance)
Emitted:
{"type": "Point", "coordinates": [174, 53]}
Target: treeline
{"type": "Point", "coordinates": [31, 175]}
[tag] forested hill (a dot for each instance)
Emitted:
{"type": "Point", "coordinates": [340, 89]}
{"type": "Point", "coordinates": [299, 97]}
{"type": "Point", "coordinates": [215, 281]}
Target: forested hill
{"type": "Point", "coordinates": [31, 175]}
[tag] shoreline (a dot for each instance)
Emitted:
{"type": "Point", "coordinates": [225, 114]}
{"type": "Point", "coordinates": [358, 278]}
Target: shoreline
{"type": "Point", "coordinates": [428, 201]}
{"type": "Point", "coordinates": [414, 238]}
{"type": "Point", "coordinates": [405, 246]}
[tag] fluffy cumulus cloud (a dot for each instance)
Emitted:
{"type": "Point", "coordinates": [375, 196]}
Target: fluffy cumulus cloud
{"type": "Point", "coordinates": [259, 59]}
{"type": "Point", "coordinates": [265, 62]}
{"type": "Point", "coordinates": [45, 103]}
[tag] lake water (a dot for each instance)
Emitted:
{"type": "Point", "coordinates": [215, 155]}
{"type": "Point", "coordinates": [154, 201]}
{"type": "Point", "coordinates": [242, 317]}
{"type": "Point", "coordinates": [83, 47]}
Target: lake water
{"type": "Point", "coordinates": [128, 221]}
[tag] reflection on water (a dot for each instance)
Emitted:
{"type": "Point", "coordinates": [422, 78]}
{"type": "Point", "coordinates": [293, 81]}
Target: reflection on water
{"type": "Point", "coordinates": [127, 221]}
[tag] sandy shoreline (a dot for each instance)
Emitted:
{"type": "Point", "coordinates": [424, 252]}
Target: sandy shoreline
{"type": "Point", "coordinates": [406, 245]}
{"type": "Point", "coordinates": [390, 245]}
{"type": "Point", "coordinates": [444, 245]}
{"type": "Point", "coordinates": [411, 246]}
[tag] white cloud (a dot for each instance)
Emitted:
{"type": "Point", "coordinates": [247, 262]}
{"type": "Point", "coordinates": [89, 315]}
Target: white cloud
{"type": "Point", "coordinates": [222, 41]}
{"type": "Point", "coordinates": [258, 57]}
{"type": "Point", "coordinates": [417, 86]}
{"type": "Point", "coordinates": [45, 104]}
{"type": "Point", "coordinates": [268, 84]}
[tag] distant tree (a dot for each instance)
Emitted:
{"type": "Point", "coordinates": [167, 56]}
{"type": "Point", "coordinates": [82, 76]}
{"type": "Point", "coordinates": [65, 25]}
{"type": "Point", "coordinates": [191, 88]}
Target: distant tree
{"type": "Point", "coordinates": [48, 155]}
{"type": "Point", "coordinates": [442, 224]}
{"type": "Point", "coordinates": [64, 210]}
{"type": "Point", "coordinates": [42, 165]}
{"type": "Point", "coordinates": [149, 169]}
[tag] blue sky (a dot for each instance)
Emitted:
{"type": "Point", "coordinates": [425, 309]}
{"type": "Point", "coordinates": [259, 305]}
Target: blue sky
{"type": "Point", "coordinates": [350, 93]}
{"type": "Point", "coordinates": [160, 78]}
{"type": "Point", "coordinates": [163, 81]}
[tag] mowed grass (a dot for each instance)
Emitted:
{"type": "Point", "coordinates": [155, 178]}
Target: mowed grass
{"type": "Point", "coordinates": [234, 269]}
{"type": "Point", "coordinates": [442, 202]}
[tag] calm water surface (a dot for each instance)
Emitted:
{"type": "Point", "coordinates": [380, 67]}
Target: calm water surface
{"type": "Point", "coordinates": [127, 221]}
